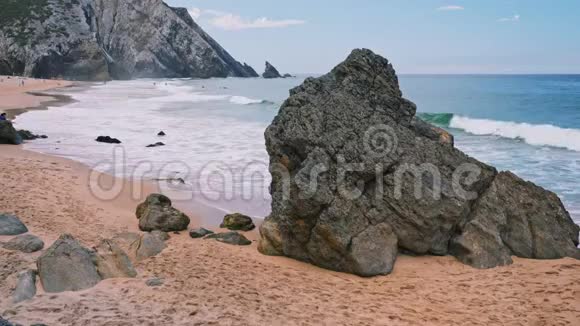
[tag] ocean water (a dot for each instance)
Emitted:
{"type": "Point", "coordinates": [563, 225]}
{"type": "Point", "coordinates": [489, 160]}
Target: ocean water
{"type": "Point", "coordinates": [215, 130]}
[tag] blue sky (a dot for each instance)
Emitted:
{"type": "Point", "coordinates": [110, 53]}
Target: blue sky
{"type": "Point", "coordinates": [417, 36]}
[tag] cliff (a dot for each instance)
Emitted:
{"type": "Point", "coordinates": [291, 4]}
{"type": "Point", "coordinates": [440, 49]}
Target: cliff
{"type": "Point", "coordinates": [103, 39]}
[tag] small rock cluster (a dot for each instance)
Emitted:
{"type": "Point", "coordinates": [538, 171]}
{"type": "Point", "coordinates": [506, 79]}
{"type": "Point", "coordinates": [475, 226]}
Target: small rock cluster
{"type": "Point", "coordinates": [67, 265]}
{"type": "Point", "coordinates": [234, 222]}
{"type": "Point", "coordinates": [100, 139]}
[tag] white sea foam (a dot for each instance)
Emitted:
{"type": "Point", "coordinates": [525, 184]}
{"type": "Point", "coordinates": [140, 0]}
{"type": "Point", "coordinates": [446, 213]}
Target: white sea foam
{"type": "Point", "coordinates": [242, 100]}
{"type": "Point", "coordinates": [540, 135]}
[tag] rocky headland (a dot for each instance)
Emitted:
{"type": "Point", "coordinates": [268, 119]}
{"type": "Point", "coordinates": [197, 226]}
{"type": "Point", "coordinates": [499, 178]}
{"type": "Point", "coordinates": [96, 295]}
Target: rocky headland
{"type": "Point", "coordinates": [101, 40]}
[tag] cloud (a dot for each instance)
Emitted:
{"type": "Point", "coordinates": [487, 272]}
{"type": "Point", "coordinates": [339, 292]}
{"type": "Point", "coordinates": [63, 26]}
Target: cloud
{"type": "Point", "coordinates": [233, 22]}
{"type": "Point", "coordinates": [195, 13]}
{"type": "Point", "coordinates": [514, 19]}
{"type": "Point", "coordinates": [450, 8]}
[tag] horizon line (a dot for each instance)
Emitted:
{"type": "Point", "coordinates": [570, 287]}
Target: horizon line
{"type": "Point", "coordinates": [468, 74]}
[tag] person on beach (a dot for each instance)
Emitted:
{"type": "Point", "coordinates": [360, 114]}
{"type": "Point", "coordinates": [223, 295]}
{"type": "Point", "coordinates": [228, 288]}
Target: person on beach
{"type": "Point", "coordinates": [3, 117]}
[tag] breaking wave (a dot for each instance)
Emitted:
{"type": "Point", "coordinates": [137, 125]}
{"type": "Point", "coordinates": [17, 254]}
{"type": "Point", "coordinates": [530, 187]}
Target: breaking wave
{"type": "Point", "coordinates": [539, 135]}
{"type": "Point", "coordinates": [246, 101]}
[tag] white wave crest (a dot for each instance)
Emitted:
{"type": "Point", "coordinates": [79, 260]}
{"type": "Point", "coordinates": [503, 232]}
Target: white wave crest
{"type": "Point", "coordinates": [540, 135]}
{"type": "Point", "coordinates": [244, 100]}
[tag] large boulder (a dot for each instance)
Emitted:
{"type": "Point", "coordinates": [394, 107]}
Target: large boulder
{"type": "Point", "coordinates": [357, 178]}
{"type": "Point", "coordinates": [112, 261]}
{"type": "Point", "coordinates": [156, 213]}
{"type": "Point", "coordinates": [238, 222]}
{"type": "Point", "coordinates": [67, 266]}
{"type": "Point", "coordinates": [271, 72]}
{"type": "Point", "coordinates": [26, 243]}
{"type": "Point", "coordinates": [26, 286]}
{"type": "Point", "coordinates": [11, 225]}
{"type": "Point", "coordinates": [9, 135]}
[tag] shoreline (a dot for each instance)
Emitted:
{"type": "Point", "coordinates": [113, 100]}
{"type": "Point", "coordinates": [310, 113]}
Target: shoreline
{"type": "Point", "coordinates": [56, 101]}
{"type": "Point", "coordinates": [16, 99]}
{"type": "Point", "coordinates": [210, 282]}
{"type": "Point", "coordinates": [46, 98]}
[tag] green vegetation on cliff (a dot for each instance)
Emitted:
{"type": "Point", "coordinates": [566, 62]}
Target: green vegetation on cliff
{"type": "Point", "coordinates": [16, 14]}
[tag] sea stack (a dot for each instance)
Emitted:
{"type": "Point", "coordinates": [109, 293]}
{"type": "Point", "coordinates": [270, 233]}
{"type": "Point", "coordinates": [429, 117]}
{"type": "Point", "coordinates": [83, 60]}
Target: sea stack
{"type": "Point", "coordinates": [101, 40]}
{"type": "Point", "coordinates": [271, 72]}
{"type": "Point", "coordinates": [357, 178]}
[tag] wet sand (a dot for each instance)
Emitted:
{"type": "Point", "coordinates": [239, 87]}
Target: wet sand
{"type": "Point", "coordinates": [16, 99]}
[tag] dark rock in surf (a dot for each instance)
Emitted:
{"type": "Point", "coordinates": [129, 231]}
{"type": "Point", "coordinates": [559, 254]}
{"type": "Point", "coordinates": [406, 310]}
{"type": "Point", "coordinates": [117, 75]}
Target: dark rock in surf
{"type": "Point", "coordinates": [238, 222]}
{"type": "Point", "coordinates": [108, 140]}
{"type": "Point", "coordinates": [271, 72]}
{"type": "Point", "coordinates": [27, 135]}
{"type": "Point", "coordinates": [9, 135]}
{"type": "Point", "coordinates": [11, 225]}
{"type": "Point", "coordinates": [233, 238]}
{"type": "Point", "coordinates": [287, 76]}
{"type": "Point", "coordinates": [161, 133]}
{"type": "Point", "coordinates": [157, 213]}
{"type": "Point", "coordinates": [158, 144]}
{"type": "Point", "coordinates": [386, 182]}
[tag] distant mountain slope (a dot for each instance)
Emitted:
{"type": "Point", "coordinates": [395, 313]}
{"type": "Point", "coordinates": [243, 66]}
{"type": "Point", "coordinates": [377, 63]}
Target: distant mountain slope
{"type": "Point", "coordinates": [102, 39]}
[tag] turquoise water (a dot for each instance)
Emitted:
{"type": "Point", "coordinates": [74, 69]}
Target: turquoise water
{"type": "Point", "coordinates": [527, 124]}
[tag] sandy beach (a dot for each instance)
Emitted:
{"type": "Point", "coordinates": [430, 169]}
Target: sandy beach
{"type": "Point", "coordinates": [210, 283]}
{"type": "Point", "coordinates": [15, 96]}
